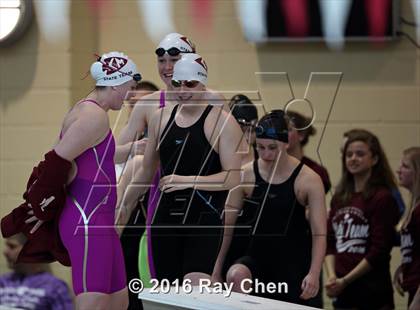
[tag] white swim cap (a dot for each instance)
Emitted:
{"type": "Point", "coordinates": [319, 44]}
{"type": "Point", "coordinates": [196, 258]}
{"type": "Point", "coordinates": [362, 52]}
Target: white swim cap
{"type": "Point", "coordinates": [191, 67]}
{"type": "Point", "coordinates": [113, 69]}
{"type": "Point", "coordinates": [175, 43]}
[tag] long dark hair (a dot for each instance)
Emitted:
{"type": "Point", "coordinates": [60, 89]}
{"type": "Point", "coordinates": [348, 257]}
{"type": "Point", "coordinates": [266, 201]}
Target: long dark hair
{"type": "Point", "coordinates": [381, 175]}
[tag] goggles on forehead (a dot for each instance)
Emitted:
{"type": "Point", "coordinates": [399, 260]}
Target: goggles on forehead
{"type": "Point", "coordinates": [271, 133]}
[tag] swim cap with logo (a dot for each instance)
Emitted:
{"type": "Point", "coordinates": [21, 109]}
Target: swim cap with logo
{"type": "Point", "coordinates": [191, 67]}
{"type": "Point", "coordinates": [113, 69]}
{"type": "Point", "coordinates": [175, 41]}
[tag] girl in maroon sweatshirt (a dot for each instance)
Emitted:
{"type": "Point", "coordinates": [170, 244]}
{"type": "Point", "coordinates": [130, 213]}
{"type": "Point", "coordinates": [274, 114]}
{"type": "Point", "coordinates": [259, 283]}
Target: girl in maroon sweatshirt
{"type": "Point", "coordinates": [407, 276]}
{"type": "Point", "coordinates": [361, 228]}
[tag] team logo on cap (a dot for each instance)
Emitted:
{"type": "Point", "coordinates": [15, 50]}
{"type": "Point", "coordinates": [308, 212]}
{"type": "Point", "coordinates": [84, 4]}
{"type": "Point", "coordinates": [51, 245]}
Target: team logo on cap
{"type": "Point", "coordinates": [186, 40]}
{"type": "Point", "coordinates": [202, 63]}
{"type": "Point", "coordinates": [111, 65]}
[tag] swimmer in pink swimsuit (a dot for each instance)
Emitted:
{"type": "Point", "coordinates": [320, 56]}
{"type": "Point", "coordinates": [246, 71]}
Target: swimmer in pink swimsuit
{"type": "Point", "coordinates": [86, 222]}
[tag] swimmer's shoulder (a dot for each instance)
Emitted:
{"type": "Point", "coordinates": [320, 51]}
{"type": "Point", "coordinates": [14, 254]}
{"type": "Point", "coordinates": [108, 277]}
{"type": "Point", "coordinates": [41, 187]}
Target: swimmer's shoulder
{"type": "Point", "coordinates": [215, 98]}
{"type": "Point", "coordinates": [86, 111]}
{"type": "Point", "coordinates": [146, 106]}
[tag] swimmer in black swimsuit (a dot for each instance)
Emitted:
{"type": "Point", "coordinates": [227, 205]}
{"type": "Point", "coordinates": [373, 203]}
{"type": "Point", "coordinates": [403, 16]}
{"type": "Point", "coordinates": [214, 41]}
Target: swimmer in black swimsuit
{"type": "Point", "coordinates": [284, 247]}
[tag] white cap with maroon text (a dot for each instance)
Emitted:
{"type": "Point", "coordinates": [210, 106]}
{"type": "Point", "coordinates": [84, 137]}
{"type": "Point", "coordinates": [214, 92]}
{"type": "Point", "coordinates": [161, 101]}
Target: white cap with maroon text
{"type": "Point", "coordinates": [191, 67]}
{"type": "Point", "coordinates": [113, 69]}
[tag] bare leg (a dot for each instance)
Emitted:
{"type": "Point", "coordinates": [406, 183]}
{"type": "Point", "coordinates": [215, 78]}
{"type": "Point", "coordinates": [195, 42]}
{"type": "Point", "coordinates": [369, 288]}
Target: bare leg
{"type": "Point", "coordinates": [119, 300]}
{"type": "Point", "coordinates": [92, 301]}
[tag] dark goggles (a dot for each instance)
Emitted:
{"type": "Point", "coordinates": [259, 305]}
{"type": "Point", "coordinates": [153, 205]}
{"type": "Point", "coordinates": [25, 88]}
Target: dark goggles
{"type": "Point", "coordinates": [173, 51]}
{"type": "Point", "coordinates": [137, 77]}
{"type": "Point", "coordinates": [189, 84]}
{"type": "Point", "coordinates": [271, 133]}
{"type": "Point", "coordinates": [244, 123]}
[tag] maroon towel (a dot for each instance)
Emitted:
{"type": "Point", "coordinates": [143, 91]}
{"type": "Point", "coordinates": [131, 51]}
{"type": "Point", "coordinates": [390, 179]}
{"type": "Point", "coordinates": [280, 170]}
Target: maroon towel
{"type": "Point", "coordinates": [48, 179]}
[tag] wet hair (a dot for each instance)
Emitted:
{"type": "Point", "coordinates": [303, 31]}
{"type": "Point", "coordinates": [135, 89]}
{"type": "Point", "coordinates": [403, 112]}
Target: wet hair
{"type": "Point", "coordinates": [273, 126]}
{"type": "Point", "coordinates": [298, 121]}
{"type": "Point", "coordinates": [243, 110]}
{"type": "Point", "coordinates": [381, 175]}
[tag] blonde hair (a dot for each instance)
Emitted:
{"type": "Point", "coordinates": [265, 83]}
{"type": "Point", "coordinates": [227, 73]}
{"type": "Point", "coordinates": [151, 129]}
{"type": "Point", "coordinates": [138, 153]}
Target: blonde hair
{"type": "Point", "coordinates": [413, 156]}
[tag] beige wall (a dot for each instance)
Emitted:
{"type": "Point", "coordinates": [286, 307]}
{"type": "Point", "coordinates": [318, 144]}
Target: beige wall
{"type": "Point", "coordinates": [39, 82]}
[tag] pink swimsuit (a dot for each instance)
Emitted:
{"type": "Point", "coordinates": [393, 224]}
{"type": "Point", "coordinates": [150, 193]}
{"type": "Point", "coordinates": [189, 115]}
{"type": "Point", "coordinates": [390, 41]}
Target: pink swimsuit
{"type": "Point", "coordinates": [87, 222]}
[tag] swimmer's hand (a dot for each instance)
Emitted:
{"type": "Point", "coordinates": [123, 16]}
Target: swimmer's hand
{"type": "Point", "coordinates": [310, 286]}
{"type": "Point", "coordinates": [173, 182]}
{"type": "Point", "coordinates": [32, 219]}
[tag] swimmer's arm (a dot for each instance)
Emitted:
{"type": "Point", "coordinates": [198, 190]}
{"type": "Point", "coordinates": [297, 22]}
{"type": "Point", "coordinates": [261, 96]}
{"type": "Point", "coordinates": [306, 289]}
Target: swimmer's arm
{"type": "Point", "coordinates": [233, 207]}
{"type": "Point", "coordinates": [122, 214]}
{"type": "Point", "coordinates": [230, 158]}
{"type": "Point", "coordinates": [317, 219]}
{"type": "Point", "coordinates": [312, 188]}
{"type": "Point", "coordinates": [135, 126]}
{"type": "Point", "coordinates": [85, 132]}
{"type": "Point", "coordinates": [122, 152]}
{"type": "Point", "coordinates": [144, 176]}
{"type": "Point", "coordinates": [127, 173]}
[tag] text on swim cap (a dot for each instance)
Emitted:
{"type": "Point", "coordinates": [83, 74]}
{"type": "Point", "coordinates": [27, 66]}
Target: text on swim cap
{"type": "Point", "coordinates": [119, 76]}
{"type": "Point", "coordinates": [111, 65]}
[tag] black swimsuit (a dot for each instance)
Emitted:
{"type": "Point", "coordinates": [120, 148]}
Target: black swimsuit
{"type": "Point", "coordinates": [281, 244]}
{"type": "Point", "coordinates": [186, 227]}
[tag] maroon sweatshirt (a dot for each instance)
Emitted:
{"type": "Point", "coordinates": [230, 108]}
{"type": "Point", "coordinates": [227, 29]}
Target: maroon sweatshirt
{"type": "Point", "coordinates": [362, 229]}
{"type": "Point", "coordinates": [410, 252]}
